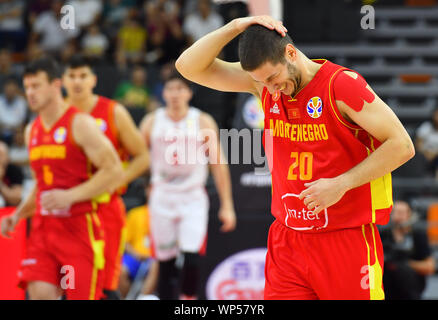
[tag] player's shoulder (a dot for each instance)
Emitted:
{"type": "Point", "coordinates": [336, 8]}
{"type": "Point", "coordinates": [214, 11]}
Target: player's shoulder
{"type": "Point", "coordinates": [103, 104]}
{"type": "Point", "coordinates": [82, 121]}
{"type": "Point", "coordinates": [102, 100]}
{"type": "Point", "coordinates": [148, 121]}
{"type": "Point", "coordinates": [350, 73]}
{"type": "Point", "coordinates": [28, 129]}
{"type": "Point", "coordinates": [349, 81]}
{"type": "Point", "coordinates": [206, 120]}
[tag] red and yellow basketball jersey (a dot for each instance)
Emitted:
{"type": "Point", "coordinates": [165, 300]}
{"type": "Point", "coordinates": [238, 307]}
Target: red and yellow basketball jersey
{"type": "Point", "coordinates": [57, 161]}
{"type": "Point", "coordinates": [104, 113]}
{"type": "Point", "coordinates": [307, 139]}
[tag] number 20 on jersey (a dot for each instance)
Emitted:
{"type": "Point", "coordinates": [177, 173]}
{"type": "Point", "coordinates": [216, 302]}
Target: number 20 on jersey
{"type": "Point", "coordinates": [301, 167]}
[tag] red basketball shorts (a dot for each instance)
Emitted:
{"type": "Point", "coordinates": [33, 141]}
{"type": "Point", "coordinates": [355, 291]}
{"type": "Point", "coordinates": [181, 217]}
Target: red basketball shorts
{"type": "Point", "coordinates": [66, 252]}
{"type": "Point", "coordinates": [113, 216]}
{"type": "Point", "coordinates": [345, 264]}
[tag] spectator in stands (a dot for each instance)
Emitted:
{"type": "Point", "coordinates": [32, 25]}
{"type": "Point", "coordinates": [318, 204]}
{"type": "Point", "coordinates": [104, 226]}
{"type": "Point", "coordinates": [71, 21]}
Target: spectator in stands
{"type": "Point", "coordinates": [408, 258]}
{"type": "Point", "coordinates": [33, 51]}
{"type": "Point", "coordinates": [11, 179]}
{"type": "Point", "coordinates": [87, 12]}
{"type": "Point", "coordinates": [114, 13]}
{"type": "Point", "coordinates": [131, 39]}
{"type": "Point", "coordinates": [68, 51]}
{"type": "Point", "coordinates": [13, 111]}
{"type": "Point", "coordinates": [94, 43]}
{"type": "Point", "coordinates": [166, 38]}
{"type": "Point", "coordinates": [204, 21]}
{"type": "Point", "coordinates": [427, 141]}
{"type": "Point", "coordinates": [7, 68]}
{"type": "Point", "coordinates": [165, 71]}
{"type": "Point", "coordinates": [47, 32]}
{"type": "Point", "coordinates": [134, 93]}
{"type": "Point", "coordinates": [12, 30]}
{"type": "Point", "coordinates": [138, 265]}
{"type": "Point", "coordinates": [35, 8]}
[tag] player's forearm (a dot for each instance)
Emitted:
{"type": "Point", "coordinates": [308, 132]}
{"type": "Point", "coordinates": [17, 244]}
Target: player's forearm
{"type": "Point", "coordinates": [104, 180]}
{"type": "Point", "coordinates": [137, 166]}
{"type": "Point", "coordinates": [386, 158]}
{"type": "Point", "coordinates": [222, 180]}
{"type": "Point", "coordinates": [27, 207]}
{"type": "Point", "coordinates": [423, 267]}
{"type": "Point", "coordinates": [12, 195]}
{"type": "Point", "coordinates": [200, 55]}
{"type": "Point", "coordinates": [151, 281]}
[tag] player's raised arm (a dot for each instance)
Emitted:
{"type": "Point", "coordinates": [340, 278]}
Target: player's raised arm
{"type": "Point", "coordinates": [221, 173]}
{"type": "Point", "coordinates": [145, 127]}
{"type": "Point", "coordinates": [102, 155]}
{"type": "Point", "coordinates": [199, 63]}
{"type": "Point", "coordinates": [134, 143]}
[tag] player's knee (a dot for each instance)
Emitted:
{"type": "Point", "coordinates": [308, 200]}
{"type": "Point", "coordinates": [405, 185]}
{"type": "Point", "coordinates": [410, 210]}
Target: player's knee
{"type": "Point", "coordinates": [42, 291]}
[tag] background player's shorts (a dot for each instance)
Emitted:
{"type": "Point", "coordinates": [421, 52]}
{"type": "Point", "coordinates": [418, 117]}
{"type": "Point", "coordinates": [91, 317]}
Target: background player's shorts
{"type": "Point", "coordinates": [346, 264]}
{"type": "Point", "coordinates": [178, 222]}
{"type": "Point", "coordinates": [113, 216]}
{"type": "Point", "coordinates": [66, 252]}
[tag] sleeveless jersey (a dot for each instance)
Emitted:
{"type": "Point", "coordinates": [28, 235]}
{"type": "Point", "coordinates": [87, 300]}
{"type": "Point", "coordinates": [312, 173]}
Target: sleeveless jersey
{"type": "Point", "coordinates": [58, 163]}
{"type": "Point", "coordinates": [104, 113]}
{"type": "Point", "coordinates": [306, 139]}
{"type": "Point", "coordinates": [178, 158]}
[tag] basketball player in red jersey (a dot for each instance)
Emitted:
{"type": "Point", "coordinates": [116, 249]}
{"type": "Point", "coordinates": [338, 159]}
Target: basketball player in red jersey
{"type": "Point", "coordinates": [331, 144]}
{"type": "Point", "coordinates": [65, 247]}
{"type": "Point", "coordinates": [114, 120]}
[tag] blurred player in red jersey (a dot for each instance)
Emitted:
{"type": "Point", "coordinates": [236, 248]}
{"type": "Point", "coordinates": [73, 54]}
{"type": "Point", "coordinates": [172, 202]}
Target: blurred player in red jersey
{"type": "Point", "coordinates": [331, 145]}
{"type": "Point", "coordinates": [65, 247]}
{"type": "Point", "coordinates": [116, 123]}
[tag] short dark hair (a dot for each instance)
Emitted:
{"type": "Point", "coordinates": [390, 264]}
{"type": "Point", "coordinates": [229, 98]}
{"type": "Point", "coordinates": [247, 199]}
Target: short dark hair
{"type": "Point", "coordinates": [175, 75]}
{"type": "Point", "coordinates": [258, 45]}
{"type": "Point", "coordinates": [45, 64]}
{"type": "Point", "coordinates": [78, 61]}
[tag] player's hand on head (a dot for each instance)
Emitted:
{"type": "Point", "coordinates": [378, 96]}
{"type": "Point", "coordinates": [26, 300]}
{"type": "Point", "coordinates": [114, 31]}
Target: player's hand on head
{"type": "Point", "coordinates": [322, 193]}
{"type": "Point", "coordinates": [8, 224]}
{"type": "Point", "coordinates": [266, 21]}
{"type": "Point", "coordinates": [228, 218]}
{"type": "Point", "coordinates": [56, 199]}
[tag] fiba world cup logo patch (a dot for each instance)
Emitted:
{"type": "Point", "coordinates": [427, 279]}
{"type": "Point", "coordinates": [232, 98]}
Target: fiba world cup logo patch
{"type": "Point", "coordinates": [60, 135]}
{"type": "Point", "coordinates": [314, 107]}
{"type": "Point", "coordinates": [101, 124]}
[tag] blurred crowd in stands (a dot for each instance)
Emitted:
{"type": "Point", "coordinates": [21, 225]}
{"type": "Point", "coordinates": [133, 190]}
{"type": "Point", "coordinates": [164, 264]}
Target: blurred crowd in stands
{"type": "Point", "coordinates": [132, 43]}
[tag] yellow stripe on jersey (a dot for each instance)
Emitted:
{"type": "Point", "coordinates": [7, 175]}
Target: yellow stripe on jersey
{"type": "Point", "coordinates": [381, 194]}
{"type": "Point", "coordinates": [98, 251]}
{"type": "Point", "coordinates": [377, 292]}
{"type": "Point", "coordinates": [103, 198]}
{"type": "Point", "coordinates": [375, 272]}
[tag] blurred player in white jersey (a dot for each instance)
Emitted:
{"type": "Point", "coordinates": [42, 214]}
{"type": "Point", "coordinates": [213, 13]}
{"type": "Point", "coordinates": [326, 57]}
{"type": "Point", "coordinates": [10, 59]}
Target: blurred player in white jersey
{"type": "Point", "coordinates": [184, 142]}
